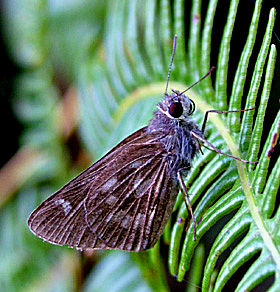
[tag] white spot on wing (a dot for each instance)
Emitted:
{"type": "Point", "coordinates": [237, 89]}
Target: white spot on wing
{"type": "Point", "coordinates": [109, 184]}
{"type": "Point", "coordinates": [139, 220]}
{"type": "Point", "coordinates": [111, 200]}
{"type": "Point", "coordinates": [136, 183]}
{"type": "Point", "coordinates": [109, 217]}
{"type": "Point", "coordinates": [126, 222]}
{"type": "Point", "coordinates": [136, 164]}
{"type": "Point", "coordinates": [65, 205]}
{"type": "Point", "coordinates": [141, 186]}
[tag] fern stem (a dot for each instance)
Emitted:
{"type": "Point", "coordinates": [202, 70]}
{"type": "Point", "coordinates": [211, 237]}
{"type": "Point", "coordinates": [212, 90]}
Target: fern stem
{"type": "Point", "coordinates": [245, 250]}
{"type": "Point", "coordinates": [258, 128]}
{"type": "Point", "coordinates": [194, 40]}
{"type": "Point", "coordinates": [126, 73]}
{"type": "Point", "coordinates": [262, 168]}
{"type": "Point", "coordinates": [223, 59]}
{"type": "Point", "coordinates": [270, 192]}
{"type": "Point", "coordinates": [246, 128]}
{"type": "Point", "coordinates": [206, 50]}
{"type": "Point", "coordinates": [180, 59]}
{"type": "Point", "coordinates": [151, 39]}
{"type": "Point", "coordinates": [247, 121]}
{"type": "Point", "coordinates": [257, 273]}
{"type": "Point", "coordinates": [232, 230]}
{"type": "Point", "coordinates": [165, 30]}
{"type": "Point", "coordinates": [133, 43]}
{"type": "Point", "coordinates": [159, 276]}
{"type": "Point", "coordinates": [110, 51]}
{"type": "Point", "coordinates": [196, 271]}
{"type": "Point", "coordinates": [241, 72]}
{"type": "Point", "coordinates": [257, 217]}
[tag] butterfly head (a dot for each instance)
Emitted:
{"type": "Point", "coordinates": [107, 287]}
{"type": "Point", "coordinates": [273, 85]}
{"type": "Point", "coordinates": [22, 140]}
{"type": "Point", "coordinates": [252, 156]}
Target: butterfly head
{"type": "Point", "coordinates": [177, 106]}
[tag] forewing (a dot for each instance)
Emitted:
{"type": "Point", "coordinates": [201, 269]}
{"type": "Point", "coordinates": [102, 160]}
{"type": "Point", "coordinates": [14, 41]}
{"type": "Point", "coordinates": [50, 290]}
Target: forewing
{"type": "Point", "coordinates": [71, 215]}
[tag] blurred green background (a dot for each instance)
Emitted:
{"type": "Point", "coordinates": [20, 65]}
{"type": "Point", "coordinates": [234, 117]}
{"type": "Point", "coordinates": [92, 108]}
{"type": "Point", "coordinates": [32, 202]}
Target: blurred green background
{"type": "Point", "coordinates": [75, 79]}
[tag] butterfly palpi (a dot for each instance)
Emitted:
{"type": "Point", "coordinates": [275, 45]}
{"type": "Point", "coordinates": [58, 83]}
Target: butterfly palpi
{"type": "Point", "coordinates": [123, 201]}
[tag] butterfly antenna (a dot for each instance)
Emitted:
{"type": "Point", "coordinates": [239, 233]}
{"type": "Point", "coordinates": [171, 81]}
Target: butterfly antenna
{"type": "Point", "coordinates": [171, 61]}
{"type": "Point", "coordinates": [208, 73]}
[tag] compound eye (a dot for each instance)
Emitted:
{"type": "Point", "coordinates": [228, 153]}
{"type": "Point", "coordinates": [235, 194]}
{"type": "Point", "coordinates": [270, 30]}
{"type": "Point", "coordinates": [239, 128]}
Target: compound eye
{"type": "Point", "coordinates": [192, 107]}
{"type": "Point", "coordinates": [176, 109]}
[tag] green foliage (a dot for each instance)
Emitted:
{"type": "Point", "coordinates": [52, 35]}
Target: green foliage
{"type": "Point", "coordinates": [119, 67]}
{"type": "Point", "coordinates": [109, 275]}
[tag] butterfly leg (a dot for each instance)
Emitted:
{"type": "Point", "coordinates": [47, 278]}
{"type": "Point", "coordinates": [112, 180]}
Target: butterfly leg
{"type": "Point", "coordinates": [187, 200]}
{"type": "Point", "coordinates": [220, 112]}
{"type": "Point", "coordinates": [197, 136]}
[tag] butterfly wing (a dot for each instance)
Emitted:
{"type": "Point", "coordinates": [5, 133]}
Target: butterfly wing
{"type": "Point", "coordinates": [122, 201]}
{"type": "Point", "coordinates": [130, 210]}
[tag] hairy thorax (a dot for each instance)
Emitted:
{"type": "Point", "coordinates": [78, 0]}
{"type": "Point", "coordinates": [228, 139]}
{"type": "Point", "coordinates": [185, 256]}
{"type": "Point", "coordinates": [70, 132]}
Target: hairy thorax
{"type": "Point", "coordinates": [180, 145]}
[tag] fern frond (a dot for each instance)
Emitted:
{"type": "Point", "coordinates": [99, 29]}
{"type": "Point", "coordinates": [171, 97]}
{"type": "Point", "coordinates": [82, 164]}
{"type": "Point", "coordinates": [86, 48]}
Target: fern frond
{"type": "Point", "coordinates": [119, 66]}
{"type": "Point", "coordinates": [218, 188]}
